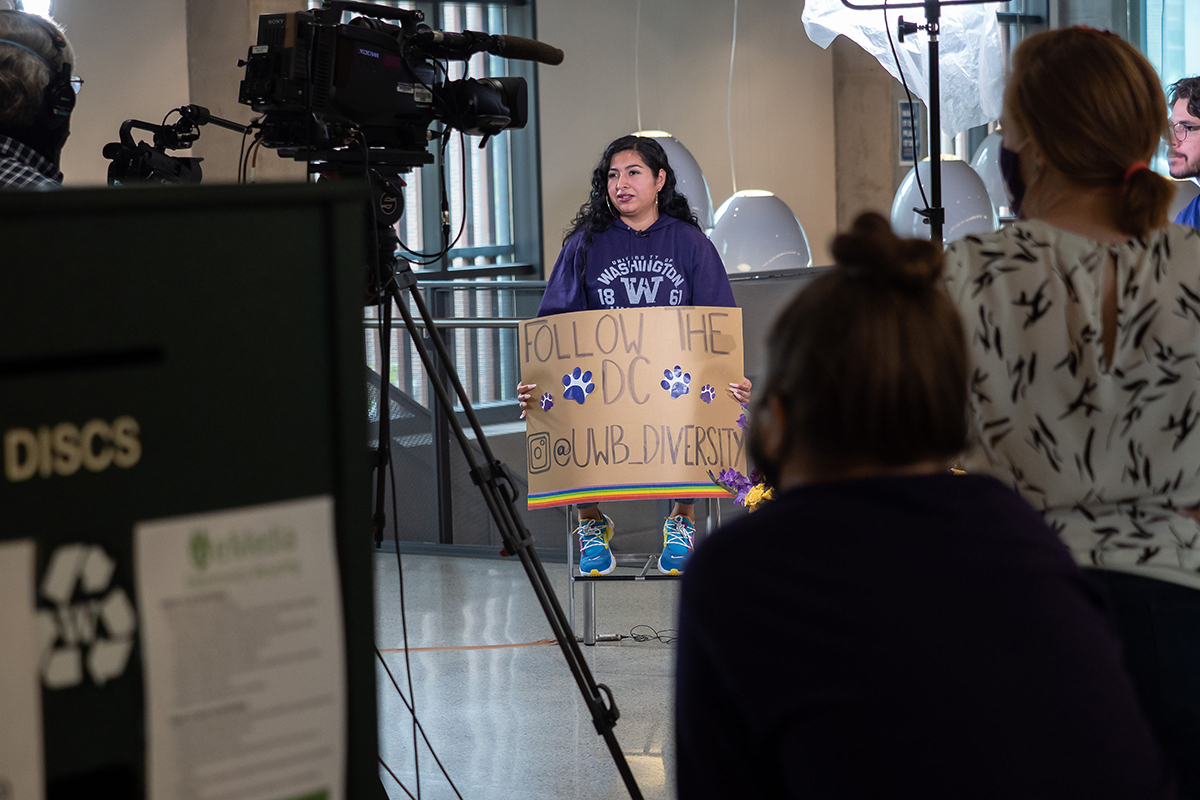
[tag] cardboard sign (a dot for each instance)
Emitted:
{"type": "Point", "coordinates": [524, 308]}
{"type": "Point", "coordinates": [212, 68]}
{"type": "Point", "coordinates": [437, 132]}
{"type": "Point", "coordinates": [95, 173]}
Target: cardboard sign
{"type": "Point", "coordinates": [631, 403]}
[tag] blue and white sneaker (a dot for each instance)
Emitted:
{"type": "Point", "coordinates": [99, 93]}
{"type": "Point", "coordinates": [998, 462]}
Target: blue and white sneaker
{"type": "Point", "coordinates": [678, 534]}
{"type": "Point", "coordinates": [594, 556]}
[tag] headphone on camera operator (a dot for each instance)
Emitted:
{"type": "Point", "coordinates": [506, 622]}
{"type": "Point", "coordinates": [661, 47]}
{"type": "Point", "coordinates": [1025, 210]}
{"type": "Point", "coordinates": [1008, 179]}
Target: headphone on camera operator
{"type": "Point", "coordinates": [48, 130]}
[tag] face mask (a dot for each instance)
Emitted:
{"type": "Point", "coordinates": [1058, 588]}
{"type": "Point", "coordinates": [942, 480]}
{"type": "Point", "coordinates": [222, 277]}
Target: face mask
{"type": "Point", "coordinates": [1010, 169]}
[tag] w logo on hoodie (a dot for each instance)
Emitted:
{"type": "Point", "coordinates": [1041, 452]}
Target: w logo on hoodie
{"type": "Point", "coordinates": [642, 290]}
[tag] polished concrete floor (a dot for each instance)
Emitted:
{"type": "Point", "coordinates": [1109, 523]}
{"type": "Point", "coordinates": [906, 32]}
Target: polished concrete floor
{"type": "Point", "coordinates": [499, 704]}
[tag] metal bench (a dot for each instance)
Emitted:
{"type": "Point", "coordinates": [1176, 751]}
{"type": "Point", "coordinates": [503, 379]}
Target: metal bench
{"type": "Point", "coordinates": [645, 563]}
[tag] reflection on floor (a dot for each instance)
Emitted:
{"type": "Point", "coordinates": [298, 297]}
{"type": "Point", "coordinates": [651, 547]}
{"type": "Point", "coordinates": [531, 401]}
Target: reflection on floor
{"type": "Point", "coordinates": [509, 722]}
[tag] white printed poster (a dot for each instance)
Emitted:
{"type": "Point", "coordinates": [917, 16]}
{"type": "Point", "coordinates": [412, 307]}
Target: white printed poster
{"type": "Point", "coordinates": [244, 654]}
{"type": "Point", "coordinates": [20, 688]}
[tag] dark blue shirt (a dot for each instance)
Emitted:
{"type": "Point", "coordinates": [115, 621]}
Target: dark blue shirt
{"type": "Point", "coordinates": [1190, 215]}
{"type": "Point", "coordinates": [903, 637]}
{"type": "Point", "coordinates": [671, 263]}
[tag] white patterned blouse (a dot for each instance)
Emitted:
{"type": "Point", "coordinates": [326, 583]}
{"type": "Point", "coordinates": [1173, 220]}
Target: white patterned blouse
{"type": "Point", "coordinates": [1107, 452]}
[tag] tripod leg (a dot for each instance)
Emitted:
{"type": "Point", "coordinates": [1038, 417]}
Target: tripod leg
{"type": "Point", "coordinates": [383, 452]}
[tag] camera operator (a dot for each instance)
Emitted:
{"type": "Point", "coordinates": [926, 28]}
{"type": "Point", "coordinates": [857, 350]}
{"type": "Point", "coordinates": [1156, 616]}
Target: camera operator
{"type": "Point", "coordinates": [37, 96]}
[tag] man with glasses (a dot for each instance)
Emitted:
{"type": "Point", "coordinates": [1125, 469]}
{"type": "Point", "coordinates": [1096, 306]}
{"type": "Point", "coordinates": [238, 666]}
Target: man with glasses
{"type": "Point", "coordinates": [1183, 156]}
{"type": "Point", "coordinates": [37, 96]}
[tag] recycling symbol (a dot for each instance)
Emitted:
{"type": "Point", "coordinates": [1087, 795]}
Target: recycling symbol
{"type": "Point", "coordinates": [90, 624]}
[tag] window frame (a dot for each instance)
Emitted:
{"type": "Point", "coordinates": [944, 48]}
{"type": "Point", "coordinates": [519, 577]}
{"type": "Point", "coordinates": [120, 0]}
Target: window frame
{"type": "Point", "coordinates": [525, 253]}
{"type": "Point", "coordinates": [524, 171]}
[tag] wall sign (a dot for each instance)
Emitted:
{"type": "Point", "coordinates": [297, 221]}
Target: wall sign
{"type": "Point", "coordinates": [910, 132]}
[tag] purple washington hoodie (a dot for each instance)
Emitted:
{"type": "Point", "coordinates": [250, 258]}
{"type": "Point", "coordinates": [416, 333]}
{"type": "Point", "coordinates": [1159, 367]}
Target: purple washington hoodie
{"type": "Point", "coordinates": [671, 263]}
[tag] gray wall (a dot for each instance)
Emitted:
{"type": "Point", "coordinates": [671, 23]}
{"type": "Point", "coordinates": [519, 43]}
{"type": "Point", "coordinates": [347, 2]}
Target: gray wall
{"type": "Point", "coordinates": [141, 58]}
{"type": "Point", "coordinates": [219, 32]}
{"type": "Point", "coordinates": [153, 55]}
{"type": "Point", "coordinates": [782, 112]}
{"type": "Point", "coordinates": [816, 127]}
{"type": "Point", "coordinates": [133, 58]}
{"type": "Point", "coordinates": [867, 125]}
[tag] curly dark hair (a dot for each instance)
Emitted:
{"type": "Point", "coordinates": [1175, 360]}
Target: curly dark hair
{"type": "Point", "coordinates": [1187, 89]}
{"type": "Point", "coordinates": [597, 215]}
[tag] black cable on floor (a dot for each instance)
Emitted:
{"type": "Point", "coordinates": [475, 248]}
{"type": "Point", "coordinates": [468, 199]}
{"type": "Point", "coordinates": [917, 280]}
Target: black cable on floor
{"type": "Point", "coordinates": [412, 707]}
{"type": "Point", "coordinates": [666, 635]}
{"type": "Point", "coordinates": [417, 722]}
{"type": "Point", "coordinates": [397, 780]}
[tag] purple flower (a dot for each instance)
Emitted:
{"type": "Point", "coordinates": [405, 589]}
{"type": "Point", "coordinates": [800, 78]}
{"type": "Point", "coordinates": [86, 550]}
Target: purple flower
{"type": "Point", "coordinates": [735, 482]}
{"type": "Point", "coordinates": [738, 484]}
{"type": "Point", "coordinates": [741, 420]}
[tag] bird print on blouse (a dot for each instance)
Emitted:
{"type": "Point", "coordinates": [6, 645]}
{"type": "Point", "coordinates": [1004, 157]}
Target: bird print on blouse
{"type": "Point", "coordinates": [1109, 452]}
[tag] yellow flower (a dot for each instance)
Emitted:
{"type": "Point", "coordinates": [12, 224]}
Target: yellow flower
{"type": "Point", "coordinates": [758, 495]}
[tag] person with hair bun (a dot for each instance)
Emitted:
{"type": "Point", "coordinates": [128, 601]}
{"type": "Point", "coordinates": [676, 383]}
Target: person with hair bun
{"type": "Point", "coordinates": [931, 637]}
{"type": "Point", "coordinates": [635, 243]}
{"type": "Point", "coordinates": [1083, 321]}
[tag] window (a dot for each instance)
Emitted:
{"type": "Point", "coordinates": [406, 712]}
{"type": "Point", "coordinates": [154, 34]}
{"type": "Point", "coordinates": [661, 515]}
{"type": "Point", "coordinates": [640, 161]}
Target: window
{"type": "Point", "coordinates": [499, 213]}
{"type": "Point", "coordinates": [1172, 40]}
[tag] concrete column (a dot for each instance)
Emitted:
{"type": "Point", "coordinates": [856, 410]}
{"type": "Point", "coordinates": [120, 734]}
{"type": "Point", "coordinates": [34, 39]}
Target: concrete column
{"type": "Point", "coordinates": [866, 129]}
{"type": "Point", "coordinates": [219, 32]}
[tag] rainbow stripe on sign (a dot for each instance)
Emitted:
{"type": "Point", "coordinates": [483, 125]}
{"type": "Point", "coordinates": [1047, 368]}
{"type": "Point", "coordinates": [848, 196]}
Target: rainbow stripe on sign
{"type": "Point", "coordinates": [650, 491]}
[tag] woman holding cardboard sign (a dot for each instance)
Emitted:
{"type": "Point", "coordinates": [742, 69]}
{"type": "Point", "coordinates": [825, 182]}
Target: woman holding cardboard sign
{"type": "Point", "coordinates": [635, 243]}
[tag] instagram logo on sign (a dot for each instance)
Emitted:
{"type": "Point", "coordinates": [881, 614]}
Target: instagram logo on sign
{"type": "Point", "coordinates": [539, 453]}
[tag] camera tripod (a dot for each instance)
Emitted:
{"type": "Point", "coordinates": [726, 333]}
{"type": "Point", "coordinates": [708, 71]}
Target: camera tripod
{"type": "Point", "coordinates": [392, 280]}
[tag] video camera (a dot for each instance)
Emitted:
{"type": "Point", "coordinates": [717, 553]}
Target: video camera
{"type": "Point", "coordinates": [140, 163]}
{"type": "Point", "coordinates": [324, 87]}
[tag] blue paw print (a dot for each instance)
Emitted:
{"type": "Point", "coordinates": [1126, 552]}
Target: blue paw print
{"type": "Point", "coordinates": [676, 382]}
{"type": "Point", "coordinates": [578, 386]}
{"type": "Point", "coordinates": [708, 393]}
{"type": "Point", "coordinates": [547, 402]}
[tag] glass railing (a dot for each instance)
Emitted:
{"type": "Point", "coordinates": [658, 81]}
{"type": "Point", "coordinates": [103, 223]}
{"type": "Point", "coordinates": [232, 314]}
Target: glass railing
{"type": "Point", "coordinates": [478, 321]}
